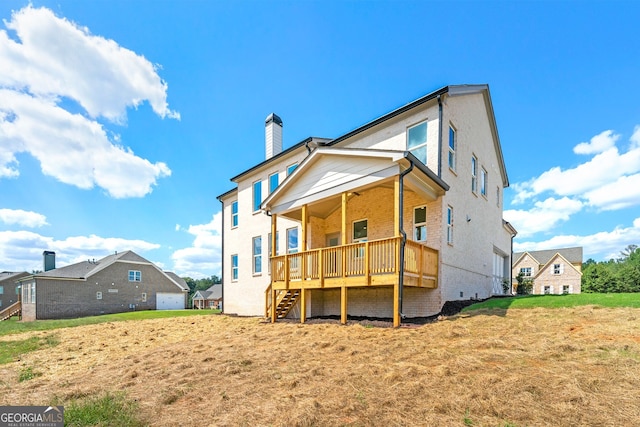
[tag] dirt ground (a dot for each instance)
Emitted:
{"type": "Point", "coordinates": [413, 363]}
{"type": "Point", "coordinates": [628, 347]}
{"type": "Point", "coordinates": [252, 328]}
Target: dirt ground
{"type": "Point", "coordinates": [561, 367]}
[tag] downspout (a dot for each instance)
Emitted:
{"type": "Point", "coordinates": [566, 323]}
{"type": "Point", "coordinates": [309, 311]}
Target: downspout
{"type": "Point", "coordinates": [439, 137]}
{"type": "Point", "coordinates": [403, 241]}
{"type": "Point", "coordinates": [222, 260]}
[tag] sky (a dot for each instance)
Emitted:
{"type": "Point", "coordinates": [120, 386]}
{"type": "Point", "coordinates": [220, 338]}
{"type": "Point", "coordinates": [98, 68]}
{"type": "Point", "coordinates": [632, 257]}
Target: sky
{"type": "Point", "coordinates": [122, 121]}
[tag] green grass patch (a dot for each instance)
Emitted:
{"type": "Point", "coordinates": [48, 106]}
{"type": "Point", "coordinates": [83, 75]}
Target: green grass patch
{"type": "Point", "coordinates": [109, 410]}
{"type": "Point", "coordinates": [10, 351]}
{"type": "Point", "coordinates": [559, 301]}
{"type": "Point", "coordinates": [13, 326]}
{"type": "Point", "coordinates": [27, 373]}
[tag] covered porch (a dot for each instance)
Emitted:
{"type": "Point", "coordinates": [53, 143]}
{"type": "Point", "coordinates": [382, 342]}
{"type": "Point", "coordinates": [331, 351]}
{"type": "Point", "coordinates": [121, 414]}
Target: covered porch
{"type": "Point", "coordinates": [354, 232]}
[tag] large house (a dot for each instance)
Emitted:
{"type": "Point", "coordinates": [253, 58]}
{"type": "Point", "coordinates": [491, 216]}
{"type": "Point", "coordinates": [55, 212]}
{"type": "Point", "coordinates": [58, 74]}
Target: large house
{"type": "Point", "coordinates": [553, 271]}
{"type": "Point", "coordinates": [390, 220]}
{"type": "Point", "coordinates": [117, 283]}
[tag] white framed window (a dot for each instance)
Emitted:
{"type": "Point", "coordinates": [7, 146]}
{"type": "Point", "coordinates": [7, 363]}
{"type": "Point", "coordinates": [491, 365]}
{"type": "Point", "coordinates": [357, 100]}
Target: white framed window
{"type": "Point", "coordinates": [557, 269]}
{"type": "Point", "coordinates": [135, 276]}
{"type": "Point", "coordinates": [417, 141]}
{"type": "Point", "coordinates": [450, 225]}
{"type": "Point", "coordinates": [292, 240]}
{"type": "Point", "coordinates": [99, 295]}
{"type": "Point", "coordinates": [234, 268]}
{"type": "Point", "coordinates": [33, 293]}
{"type": "Point", "coordinates": [420, 224]}
{"type": "Point", "coordinates": [144, 297]}
{"type": "Point", "coordinates": [234, 214]}
{"type": "Point", "coordinates": [474, 174]}
{"type": "Point", "coordinates": [257, 195]}
{"type": "Point", "coordinates": [526, 271]}
{"type": "Point", "coordinates": [565, 289]}
{"type": "Point", "coordinates": [273, 182]}
{"type": "Point", "coordinates": [483, 182]}
{"type": "Point", "coordinates": [360, 231]}
{"type": "Point", "coordinates": [257, 255]}
{"type": "Point", "coordinates": [291, 168]}
{"type": "Point", "coordinates": [547, 290]}
{"type": "Point", "coordinates": [452, 148]}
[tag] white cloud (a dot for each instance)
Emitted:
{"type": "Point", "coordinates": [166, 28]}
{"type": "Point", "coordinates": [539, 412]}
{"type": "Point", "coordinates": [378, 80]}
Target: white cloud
{"type": "Point", "coordinates": [544, 215]}
{"type": "Point", "coordinates": [23, 218]}
{"type": "Point", "coordinates": [22, 250]}
{"type": "Point", "coordinates": [606, 169]}
{"type": "Point", "coordinates": [57, 62]}
{"type": "Point", "coordinates": [604, 245]}
{"type": "Point", "coordinates": [203, 258]}
{"type": "Point", "coordinates": [598, 143]}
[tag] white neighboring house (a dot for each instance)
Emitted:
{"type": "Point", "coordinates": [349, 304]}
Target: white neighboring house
{"type": "Point", "coordinates": [390, 220]}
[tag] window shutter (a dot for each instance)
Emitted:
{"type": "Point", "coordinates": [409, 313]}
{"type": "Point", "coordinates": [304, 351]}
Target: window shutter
{"type": "Point", "coordinates": [551, 289]}
{"type": "Point", "coordinates": [570, 289]}
{"type": "Point", "coordinates": [561, 268]}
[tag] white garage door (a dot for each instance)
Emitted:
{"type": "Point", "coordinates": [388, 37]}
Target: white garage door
{"type": "Point", "coordinates": [169, 301]}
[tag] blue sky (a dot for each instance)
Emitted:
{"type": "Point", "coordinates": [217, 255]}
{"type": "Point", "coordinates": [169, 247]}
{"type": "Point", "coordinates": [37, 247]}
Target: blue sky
{"type": "Point", "coordinates": [121, 121]}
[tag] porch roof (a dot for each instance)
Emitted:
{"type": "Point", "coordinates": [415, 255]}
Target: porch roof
{"type": "Point", "coordinates": [327, 172]}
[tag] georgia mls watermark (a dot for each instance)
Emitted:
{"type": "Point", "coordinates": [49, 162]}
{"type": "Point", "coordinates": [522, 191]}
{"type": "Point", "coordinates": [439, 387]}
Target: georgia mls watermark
{"type": "Point", "coordinates": [31, 416]}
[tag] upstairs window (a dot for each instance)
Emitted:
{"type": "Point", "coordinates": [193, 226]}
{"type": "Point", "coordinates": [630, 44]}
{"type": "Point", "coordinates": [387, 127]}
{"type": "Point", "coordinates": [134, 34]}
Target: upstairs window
{"type": "Point", "coordinates": [257, 195]}
{"type": "Point", "coordinates": [483, 182]}
{"type": "Point", "coordinates": [292, 240]}
{"type": "Point", "coordinates": [420, 224]}
{"type": "Point", "coordinates": [450, 225]}
{"type": "Point", "coordinates": [417, 141]}
{"type": "Point", "coordinates": [257, 255]}
{"type": "Point", "coordinates": [360, 231]}
{"type": "Point", "coordinates": [135, 276]}
{"type": "Point", "coordinates": [234, 214]}
{"type": "Point", "coordinates": [525, 271]}
{"type": "Point", "coordinates": [557, 268]}
{"type": "Point", "coordinates": [1, 289]}
{"type": "Point", "coordinates": [452, 148]}
{"type": "Point", "coordinates": [273, 182]}
{"type": "Point", "coordinates": [291, 168]}
{"type": "Point", "coordinates": [474, 174]}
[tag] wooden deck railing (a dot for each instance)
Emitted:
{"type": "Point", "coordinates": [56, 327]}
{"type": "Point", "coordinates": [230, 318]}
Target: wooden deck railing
{"type": "Point", "coordinates": [10, 311]}
{"type": "Point", "coordinates": [356, 260]}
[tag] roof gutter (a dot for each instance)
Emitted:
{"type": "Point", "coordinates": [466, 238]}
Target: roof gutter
{"type": "Point", "coordinates": [440, 136]}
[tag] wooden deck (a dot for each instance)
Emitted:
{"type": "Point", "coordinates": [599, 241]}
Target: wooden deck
{"type": "Point", "coordinates": [366, 264]}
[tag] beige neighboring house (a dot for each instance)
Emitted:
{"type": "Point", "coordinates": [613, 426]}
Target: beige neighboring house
{"type": "Point", "coordinates": [389, 220]}
{"type": "Point", "coordinates": [117, 283]}
{"type": "Point", "coordinates": [553, 271]}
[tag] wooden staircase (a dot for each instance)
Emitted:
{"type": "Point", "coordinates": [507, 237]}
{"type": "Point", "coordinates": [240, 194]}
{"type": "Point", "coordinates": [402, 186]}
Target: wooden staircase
{"type": "Point", "coordinates": [285, 301]}
{"type": "Point", "coordinates": [14, 309]}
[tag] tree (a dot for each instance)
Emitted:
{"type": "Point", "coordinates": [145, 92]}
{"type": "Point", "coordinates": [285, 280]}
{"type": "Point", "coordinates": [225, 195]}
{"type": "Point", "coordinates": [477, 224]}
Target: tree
{"type": "Point", "coordinates": [628, 251]}
{"type": "Point", "coordinates": [525, 284]}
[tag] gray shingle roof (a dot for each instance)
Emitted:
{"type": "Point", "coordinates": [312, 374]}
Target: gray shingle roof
{"type": "Point", "coordinates": [573, 255]}
{"type": "Point", "coordinates": [179, 280]}
{"type": "Point", "coordinates": [9, 276]}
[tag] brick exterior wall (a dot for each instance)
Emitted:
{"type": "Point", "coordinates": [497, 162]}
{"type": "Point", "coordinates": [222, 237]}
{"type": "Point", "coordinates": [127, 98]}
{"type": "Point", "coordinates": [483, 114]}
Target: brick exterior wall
{"type": "Point", "coordinates": [64, 299]}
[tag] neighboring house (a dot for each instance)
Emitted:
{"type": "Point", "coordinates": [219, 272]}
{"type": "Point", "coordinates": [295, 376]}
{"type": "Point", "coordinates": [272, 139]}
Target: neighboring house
{"type": "Point", "coordinates": [390, 220]}
{"type": "Point", "coordinates": [211, 298]}
{"type": "Point", "coordinates": [9, 292]}
{"type": "Point", "coordinates": [553, 271]}
{"type": "Point", "coordinates": [117, 283]}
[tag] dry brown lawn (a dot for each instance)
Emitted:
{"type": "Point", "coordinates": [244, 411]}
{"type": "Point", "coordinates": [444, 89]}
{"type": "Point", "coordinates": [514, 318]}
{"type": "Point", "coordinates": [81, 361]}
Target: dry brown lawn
{"type": "Point", "coordinates": [537, 367]}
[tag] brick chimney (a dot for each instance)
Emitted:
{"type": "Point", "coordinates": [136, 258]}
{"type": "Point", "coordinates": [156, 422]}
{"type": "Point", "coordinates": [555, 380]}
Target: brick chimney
{"type": "Point", "coordinates": [49, 260]}
{"type": "Point", "coordinates": [273, 135]}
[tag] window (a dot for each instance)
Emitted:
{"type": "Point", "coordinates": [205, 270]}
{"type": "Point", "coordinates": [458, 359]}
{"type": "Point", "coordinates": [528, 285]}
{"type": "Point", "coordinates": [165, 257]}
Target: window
{"type": "Point", "coordinates": [526, 271]}
{"type": "Point", "coordinates": [547, 290]}
{"type": "Point", "coordinates": [565, 289]}
{"type": "Point", "coordinates": [417, 141]}
{"type": "Point", "coordinates": [98, 295]}
{"type": "Point", "coordinates": [33, 293]}
{"type": "Point", "coordinates": [474, 174]}
{"type": "Point", "coordinates": [452, 148]}
{"type": "Point", "coordinates": [273, 182]}
{"type": "Point", "coordinates": [135, 276]}
{"type": "Point", "coordinates": [257, 195]}
{"type": "Point", "coordinates": [483, 182]}
{"type": "Point", "coordinates": [234, 214]}
{"type": "Point", "coordinates": [234, 268]}
{"type": "Point", "coordinates": [292, 240]}
{"type": "Point", "coordinates": [420, 224]}
{"type": "Point", "coordinates": [257, 255]}
{"type": "Point", "coordinates": [360, 231]}
{"type": "Point", "coordinates": [291, 168]}
{"type": "Point", "coordinates": [1, 290]}
{"type": "Point", "coordinates": [144, 297]}
{"type": "Point", "coordinates": [557, 268]}
{"type": "Point", "coordinates": [18, 290]}
{"type": "Point", "coordinates": [450, 225]}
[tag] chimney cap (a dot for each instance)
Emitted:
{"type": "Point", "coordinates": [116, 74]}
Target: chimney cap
{"type": "Point", "coordinates": [273, 117]}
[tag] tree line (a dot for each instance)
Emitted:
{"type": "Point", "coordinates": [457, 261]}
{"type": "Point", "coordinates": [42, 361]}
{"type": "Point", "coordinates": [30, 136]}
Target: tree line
{"type": "Point", "coordinates": [616, 275]}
